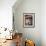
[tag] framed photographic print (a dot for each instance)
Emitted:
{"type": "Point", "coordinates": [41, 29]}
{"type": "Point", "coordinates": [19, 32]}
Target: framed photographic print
{"type": "Point", "coordinates": [29, 20]}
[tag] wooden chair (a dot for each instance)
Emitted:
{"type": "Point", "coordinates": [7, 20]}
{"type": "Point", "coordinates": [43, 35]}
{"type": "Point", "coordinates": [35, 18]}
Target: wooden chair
{"type": "Point", "coordinates": [18, 39]}
{"type": "Point", "coordinates": [29, 43]}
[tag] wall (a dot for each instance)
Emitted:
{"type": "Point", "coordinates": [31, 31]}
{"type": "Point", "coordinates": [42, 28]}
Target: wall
{"type": "Point", "coordinates": [43, 22]}
{"type": "Point", "coordinates": [6, 13]}
{"type": "Point", "coordinates": [28, 6]}
{"type": "Point", "coordinates": [6, 19]}
{"type": "Point", "coordinates": [6, 16]}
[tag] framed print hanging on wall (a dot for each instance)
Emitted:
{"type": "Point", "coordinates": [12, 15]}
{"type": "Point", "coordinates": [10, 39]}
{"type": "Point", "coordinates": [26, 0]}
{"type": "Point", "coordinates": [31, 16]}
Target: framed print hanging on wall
{"type": "Point", "coordinates": [29, 20]}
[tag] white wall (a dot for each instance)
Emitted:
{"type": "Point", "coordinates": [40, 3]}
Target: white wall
{"type": "Point", "coordinates": [38, 34]}
{"type": "Point", "coordinates": [6, 18]}
{"type": "Point", "coordinates": [43, 22]}
{"type": "Point", "coordinates": [29, 6]}
{"type": "Point", "coordinates": [6, 13]}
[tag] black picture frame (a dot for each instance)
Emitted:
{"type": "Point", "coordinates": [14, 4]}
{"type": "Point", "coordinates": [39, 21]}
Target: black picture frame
{"type": "Point", "coordinates": [29, 20]}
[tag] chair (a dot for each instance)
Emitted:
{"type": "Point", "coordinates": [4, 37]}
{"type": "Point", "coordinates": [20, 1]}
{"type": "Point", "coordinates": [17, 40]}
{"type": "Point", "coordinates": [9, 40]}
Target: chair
{"type": "Point", "coordinates": [29, 43]}
{"type": "Point", "coordinates": [18, 39]}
